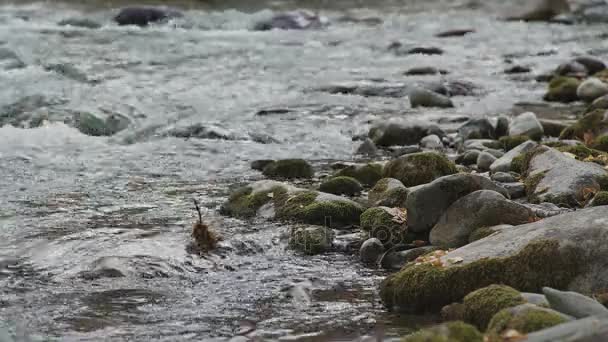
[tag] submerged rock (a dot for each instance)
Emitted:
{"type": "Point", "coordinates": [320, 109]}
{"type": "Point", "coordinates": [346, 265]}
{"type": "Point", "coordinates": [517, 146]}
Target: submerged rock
{"type": "Point", "coordinates": [311, 239]}
{"type": "Point", "coordinates": [90, 124]}
{"type": "Point", "coordinates": [526, 257]}
{"type": "Point", "coordinates": [541, 10]}
{"type": "Point", "coordinates": [432, 142]}
{"type": "Point", "coordinates": [245, 201]}
{"type": "Point", "coordinates": [289, 169]}
{"type": "Point", "coordinates": [483, 208]}
{"type": "Point", "coordinates": [9, 59]}
{"type": "Point", "coordinates": [317, 208]}
{"type": "Point", "coordinates": [367, 148]}
{"type": "Point", "coordinates": [143, 16]}
{"type": "Point", "coordinates": [420, 97]}
{"type": "Point", "coordinates": [296, 20]}
{"type": "Point", "coordinates": [420, 71]}
{"type": "Point", "coordinates": [80, 22]}
{"type": "Point", "coordinates": [371, 250]}
{"type": "Point", "coordinates": [419, 168]}
{"type": "Point", "coordinates": [454, 33]}
{"type": "Point", "coordinates": [427, 203]}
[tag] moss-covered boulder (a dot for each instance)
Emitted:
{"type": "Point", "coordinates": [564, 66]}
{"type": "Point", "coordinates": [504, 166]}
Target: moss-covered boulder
{"type": "Point", "coordinates": [288, 169]}
{"type": "Point", "coordinates": [482, 304]}
{"type": "Point", "coordinates": [419, 168]}
{"type": "Point", "coordinates": [518, 257]}
{"type": "Point", "coordinates": [366, 174]}
{"type": "Point", "coordinates": [447, 332]}
{"type": "Point", "coordinates": [524, 318]}
{"type": "Point", "coordinates": [510, 142]}
{"type": "Point", "coordinates": [245, 201]}
{"type": "Point", "coordinates": [388, 192]}
{"type": "Point", "coordinates": [552, 176]}
{"type": "Point", "coordinates": [311, 239]}
{"type": "Point", "coordinates": [341, 186]}
{"type": "Point", "coordinates": [600, 199]}
{"type": "Point", "coordinates": [562, 89]}
{"type": "Point", "coordinates": [594, 124]}
{"type": "Point", "coordinates": [389, 225]}
{"type": "Point", "coordinates": [92, 125]}
{"type": "Point", "coordinates": [317, 208]}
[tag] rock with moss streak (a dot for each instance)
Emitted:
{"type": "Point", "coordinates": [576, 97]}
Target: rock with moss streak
{"type": "Point", "coordinates": [426, 204]}
{"type": "Point", "coordinates": [367, 174]}
{"type": "Point", "coordinates": [483, 208]}
{"type": "Point", "coordinates": [503, 164]}
{"type": "Point", "coordinates": [388, 192]}
{"type": "Point", "coordinates": [525, 319]}
{"type": "Point", "coordinates": [245, 201]}
{"type": "Point", "coordinates": [341, 186]}
{"type": "Point", "coordinates": [288, 169]}
{"type": "Point", "coordinates": [567, 251]}
{"type": "Point", "coordinates": [562, 89]}
{"type": "Point", "coordinates": [386, 224]}
{"type": "Point", "coordinates": [551, 176]}
{"type": "Point", "coordinates": [595, 122]}
{"type": "Point", "coordinates": [317, 208]}
{"type": "Point", "coordinates": [311, 240]}
{"type": "Point", "coordinates": [419, 168]}
{"type": "Point", "coordinates": [447, 332]}
{"type": "Point", "coordinates": [480, 305]}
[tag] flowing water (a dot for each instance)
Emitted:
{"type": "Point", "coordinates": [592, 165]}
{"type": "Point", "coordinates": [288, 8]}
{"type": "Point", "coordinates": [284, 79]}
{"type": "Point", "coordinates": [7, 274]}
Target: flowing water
{"type": "Point", "coordinates": [95, 229]}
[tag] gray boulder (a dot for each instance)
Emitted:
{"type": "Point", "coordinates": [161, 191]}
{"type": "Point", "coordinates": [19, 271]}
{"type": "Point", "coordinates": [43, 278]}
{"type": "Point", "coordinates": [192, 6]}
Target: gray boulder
{"type": "Point", "coordinates": [503, 164]}
{"type": "Point", "coordinates": [526, 124]}
{"type": "Point", "coordinates": [483, 208]}
{"type": "Point", "coordinates": [367, 148]}
{"type": "Point", "coordinates": [590, 329]}
{"type": "Point", "coordinates": [371, 251]}
{"type": "Point", "coordinates": [420, 97]}
{"type": "Point", "coordinates": [431, 142]}
{"type": "Point", "coordinates": [468, 158]}
{"type": "Point", "coordinates": [388, 192]}
{"type": "Point", "coordinates": [485, 160]}
{"type": "Point", "coordinates": [426, 204]}
{"type": "Point", "coordinates": [477, 129]}
{"type": "Point", "coordinates": [504, 177]}
{"type": "Point", "coordinates": [591, 89]}
{"type": "Point", "coordinates": [574, 304]}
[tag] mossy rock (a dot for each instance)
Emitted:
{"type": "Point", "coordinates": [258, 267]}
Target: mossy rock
{"type": "Point", "coordinates": [341, 186]}
{"type": "Point", "coordinates": [517, 164]}
{"type": "Point", "coordinates": [601, 198]}
{"type": "Point", "coordinates": [245, 201]}
{"type": "Point", "coordinates": [384, 224]}
{"type": "Point", "coordinates": [562, 89]}
{"type": "Point", "coordinates": [580, 151]}
{"type": "Point", "coordinates": [419, 168]}
{"type": "Point", "coordinates": [388, 192]}
{"type": "Point", "coordinates": [427, 287]}
{"type": "Point", "coordinates": [367, 174]}
{"type": "Point", "coordinates": [481, 233]}
{"type": "Point", "coordinates": [289, 169]}
{"type": "Point", "coordinates": [593, 122]}
{"type": "Point", "coordinates": [555, 144]}
{"type": "Point", "coordinates": [481, 305]}
{"type": "Point", "coordinates": [311, 240]}
{"type": "Point", "coordinates": [525, 319]}
{"type": "Point", "coordinates": [511, 142]}
{"type": "Point", "coordinates": [601, 143]}
{"type": "Point", "coordinates": [603, 182]}
{"type": "Point", "coordinates": [447, 332]}
{"type": "Point", "coordinates": [317, 208]}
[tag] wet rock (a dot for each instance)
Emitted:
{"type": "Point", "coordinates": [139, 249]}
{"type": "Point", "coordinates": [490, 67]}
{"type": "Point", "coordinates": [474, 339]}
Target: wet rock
{"type": "Point", "coordinates": [418, 168]}
{"type": "Point", "coordinates": [202, 131]}
{"type": "Point", "coordinates": [484, 161]}
{"type": "Point", "coordinates": [366, 174]}
{"type": "Point", "coordinates": [371, 251]}
{"type": "Point", "coordinates": [517, 69]}
{"type": "Point", "coordinates": [503, 164]}
{"type": "Point", "coordinates": [452, 331]}
{"type": "Point", "coordinates": [348, 243]}
{"type": "Point", "coordinates": [80, 22]}
{"type": "Point", "coordinates": [396, 259]}
{"type": "Point", "coordinates": [317, 208]}
{"type": "Point", "coordinates": [341, 186]}
{"type": "Point", "coordinates": [273, 111]}
{"type": "Point", "coordinates": [468, 158]}
{"type": "Point", "coordinates": [595, 122]}
{"type": "Point", "coordinates": [402, 134]}
{"type": "Point", "coordinates": [526, 124]}
{"type": "Point", "coordinates": [289, 169]}
{"type": "Point", "coordinates": [143, 16]}
{"type": "Point", "coordinates": [562, 89]}
{"type": "Point", "coordinates": [570, 69]}
{"type": "Point", "coordinates": [516, 257]}
{"type": "Point", "coordinates": [68, 71]}
{"type": "Point", "coordinates": [483, 208]}
{"type": "Point", "coordinates": [367, 148]}
{"type": "Point", "coordinates": [454, 33]}
{"type": "Point", "coordinates": [311, 240]}
{"type": "Point", "coordinates": [477, 129]}
{"type": "Point", "coordinates": [388, 192]}
{"type": "Point", "coordinates": [296, 20]}
{"type": "Point", "coordinates": [574, 304]}
{"type": "Point", "coordinates": [107, 267]}
{"type": "Point", "coordinates": [502, 126]}
{"type": "Point", "coordinates": [420, 97]}
{"type": "Point", "coordinates": [245, 201]}
{"type": "Point", "coordinates": [427, 203]}
{"type": "Point", "coordinates": [481, 305]}
{"type": "Point", "coordinates": [18, 112]}
{"type": "Point", "coordinates": [421, 71]}
{"type": "Point", "coordinates": [425, 51]}
{"type": "Point", "coordinates": [259, 165]}
{"type": "Point", "coordinates": [9, 59]}
{"type": "Point", "coordinates": [590, 329]}
{"type": "Point", "coordinates": [593, 65]}
{"type": "Point", "coordinates": [431, 142]}
{"type": "Point", "coordinates": [262, 138]}
{"type": "Point", "coordinates": [386, 224]}
{"type": "Point", "coordinates": [90, 124]}
{"type": "Point", "coordinates": [525, 318]}
{"type": "Point", "coordinates": [504, 177]}
{"type": "Point", "coordinates": [541, 10]}
{"type": "Point", "coordinates": [552, 176]}
{"type": "Point", "coordinates": [367, 89]}
{"type": "Point", "coordinates": [591, 89]}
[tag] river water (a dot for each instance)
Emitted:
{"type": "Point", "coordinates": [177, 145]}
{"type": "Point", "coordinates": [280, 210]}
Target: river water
{"type": "Point", "coordinates": [94, 229]}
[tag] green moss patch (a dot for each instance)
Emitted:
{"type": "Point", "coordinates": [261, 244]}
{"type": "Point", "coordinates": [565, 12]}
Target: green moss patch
{"type": "Point", "coordinates": [288, 169]}
{"type": "Point", "coordinates": [447, 332]}
{"type": "Point", "coordinates": [562, 89]}
{"type": "Point", "coordinates": [306, 207]}
{"type": "Point", "coordinates": [530, 318]}
{"type": "Point", "coordinates": [367, 174]}
{"type": "Point", "coordinates": [511, 142]}
{"type": "Point", "coordinates": [482, 304]}
{"type": "Point", "coordinates": [419, 168]}
{"type": "Point", "coordinates": [244, 202]}
{"type": "Point", "coordinates": [385, 224]}
{"type": "Point", "coordinates": [341, 186]}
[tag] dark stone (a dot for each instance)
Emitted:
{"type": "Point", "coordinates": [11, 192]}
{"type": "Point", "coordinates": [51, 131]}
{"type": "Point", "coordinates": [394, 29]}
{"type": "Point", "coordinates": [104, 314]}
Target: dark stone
{"type": "Point", "coordinates": [454, 33]}
{"type": "Point", "coordinates": [517, 69]}
{"type": "Point", "coordinates": [421, 71]}
{"type": "Point", "coordinates": [425, 51]}
{"type": "Point", "coordinates": [297, 20]}
{"type": "Point", "coordinates": [143, 16]}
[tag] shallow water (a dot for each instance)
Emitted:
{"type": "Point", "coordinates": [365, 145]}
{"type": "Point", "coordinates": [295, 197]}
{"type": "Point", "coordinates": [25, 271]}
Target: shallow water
{"type": "Point", "coordinates": [95, 229]}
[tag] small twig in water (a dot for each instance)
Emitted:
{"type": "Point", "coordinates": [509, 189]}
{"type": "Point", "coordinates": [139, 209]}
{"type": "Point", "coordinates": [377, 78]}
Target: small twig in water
{"type": "Point", "coordinates": [205, 238]}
